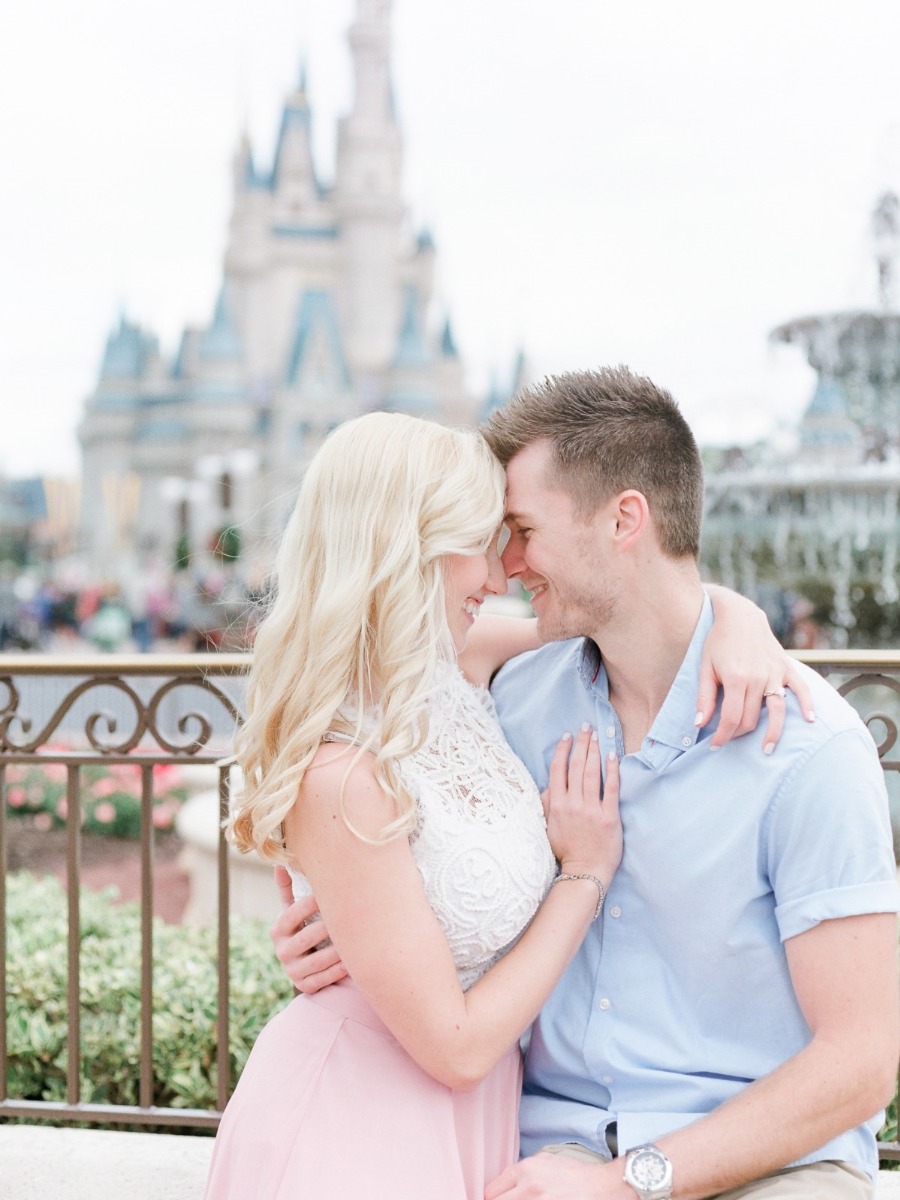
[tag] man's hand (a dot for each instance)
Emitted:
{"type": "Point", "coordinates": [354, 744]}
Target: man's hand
{"type": "Point", "coordinates": [556, 1177]}
{"type": "Point", "coordinates": [301, 941]}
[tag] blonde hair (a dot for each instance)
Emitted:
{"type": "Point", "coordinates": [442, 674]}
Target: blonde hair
{"type": "Point", "coordinates": [358, 620]}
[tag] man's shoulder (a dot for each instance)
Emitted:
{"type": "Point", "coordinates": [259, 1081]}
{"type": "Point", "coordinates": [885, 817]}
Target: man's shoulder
{"type": "Point", "coordinates": [554, 659]}
{"type": "Point", "coordinates": [834, 713]}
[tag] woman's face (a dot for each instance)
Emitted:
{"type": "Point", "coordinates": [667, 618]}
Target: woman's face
{"type": "Point", "coordinates": [468, 579]}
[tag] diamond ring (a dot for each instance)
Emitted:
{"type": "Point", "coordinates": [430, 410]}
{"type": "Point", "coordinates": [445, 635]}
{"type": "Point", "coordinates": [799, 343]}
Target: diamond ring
{"type": "Point", "coordinates": [779, 691]}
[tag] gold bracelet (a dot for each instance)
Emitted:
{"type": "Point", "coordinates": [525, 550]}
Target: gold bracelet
{"type": "Point", "coordinates": [593, 878]}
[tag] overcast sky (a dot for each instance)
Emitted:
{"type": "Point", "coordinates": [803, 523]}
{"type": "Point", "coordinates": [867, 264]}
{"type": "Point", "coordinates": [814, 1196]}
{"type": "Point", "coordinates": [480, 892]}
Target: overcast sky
{"type": "Point", "coordinates": [629, 181]}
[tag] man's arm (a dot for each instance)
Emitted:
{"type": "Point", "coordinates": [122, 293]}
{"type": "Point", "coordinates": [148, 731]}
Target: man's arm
{"type": "Point", "coordinates": [844, 973]}
{"type": "Point", "coordinates": [310, 962]}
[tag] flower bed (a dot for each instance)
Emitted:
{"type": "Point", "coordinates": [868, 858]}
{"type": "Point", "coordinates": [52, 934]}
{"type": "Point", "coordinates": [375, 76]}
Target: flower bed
{"type": "Point", "coordinates": [110, 797]}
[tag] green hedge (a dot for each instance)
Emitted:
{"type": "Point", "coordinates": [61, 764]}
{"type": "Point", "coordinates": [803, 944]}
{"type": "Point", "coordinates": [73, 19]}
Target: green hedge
{"type": "Point", "coordinates": [184, 989]}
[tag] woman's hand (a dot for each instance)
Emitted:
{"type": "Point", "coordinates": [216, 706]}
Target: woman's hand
{"type": "Point", "coordinates": [582, 813]}
{"type": "Point", "coordinates": [744, 658]}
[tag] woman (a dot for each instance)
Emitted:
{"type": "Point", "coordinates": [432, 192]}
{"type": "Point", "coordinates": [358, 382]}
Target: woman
{"type": "Point", "coordinates": [379, 775]}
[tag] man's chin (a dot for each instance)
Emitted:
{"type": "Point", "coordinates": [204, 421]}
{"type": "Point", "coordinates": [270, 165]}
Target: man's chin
{"type": "Point", "coordinates": [552, 631]}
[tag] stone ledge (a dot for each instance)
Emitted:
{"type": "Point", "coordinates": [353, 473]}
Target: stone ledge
{"type": "Point", "coordinates": [48, 1163]}
{"type": "Point", "coordinates": [38, 1162]}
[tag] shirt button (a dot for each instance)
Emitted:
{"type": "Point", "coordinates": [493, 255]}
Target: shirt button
{"type": "Point", "coordinates": [610, 731]}
{"type": "Point", "coordinates": [686, 741]}
{"type": "Point", "coordinates": [603, 1004]}
{"type": "Point", "coordinates": [615, 911]}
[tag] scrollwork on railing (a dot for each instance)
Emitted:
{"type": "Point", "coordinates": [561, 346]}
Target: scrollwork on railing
{"type": "Point", "coordinates": [881, 725]}
{"type": "Point", "coordinates": [140, 717]}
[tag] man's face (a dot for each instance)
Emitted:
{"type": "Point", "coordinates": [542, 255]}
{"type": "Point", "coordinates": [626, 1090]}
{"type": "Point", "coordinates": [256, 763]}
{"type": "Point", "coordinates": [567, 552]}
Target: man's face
{"type": "Point", "coordinates": [562, 560]}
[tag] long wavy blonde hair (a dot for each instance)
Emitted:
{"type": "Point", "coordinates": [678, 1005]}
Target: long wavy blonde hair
{"type": "Point", "coordinates": [358, 621]}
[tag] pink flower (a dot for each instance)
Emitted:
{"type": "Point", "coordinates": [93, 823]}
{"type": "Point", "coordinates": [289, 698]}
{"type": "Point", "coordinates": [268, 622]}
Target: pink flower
{"type": "Point", "coordinates": [105, 787]}
{"type": "Point", "coordinates": [62, 808]}
{"type": "Point", "coordinates": [43, 821]}
{"type": "Point", "coordinates": [15, 797]}
{"type": "Point", "coordinates": [55, 772]}
{"type": "Point", "coordinates": [105, 813]}
{"type": "Point", "coordinates": [163, 816]}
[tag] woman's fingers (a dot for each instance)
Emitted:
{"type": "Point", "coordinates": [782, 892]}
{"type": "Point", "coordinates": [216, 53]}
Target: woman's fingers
{"type": "Point", "coordinates": [794, 679]}
{"type": "Point", "coordinates": [773, 698]}
{"type": "Point", "coordinates": [592, 786]}
{"type": "Point", "coordinates": [559, 768]}
{"type": "Point", "coordinates": [577, 762]}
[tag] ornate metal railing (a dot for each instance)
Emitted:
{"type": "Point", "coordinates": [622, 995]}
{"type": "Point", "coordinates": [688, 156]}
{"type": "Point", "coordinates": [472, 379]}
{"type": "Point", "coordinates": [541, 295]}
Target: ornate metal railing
{"type": "Point", "coordinates": [143, 711]}
{"type": "Point", "coordinates": [149, 710]}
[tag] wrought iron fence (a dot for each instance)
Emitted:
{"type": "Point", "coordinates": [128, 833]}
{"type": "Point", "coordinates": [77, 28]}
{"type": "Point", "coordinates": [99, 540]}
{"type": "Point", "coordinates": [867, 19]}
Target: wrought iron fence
{"type": "Point", "coordinates": [143, 711]}
{"type": "Point", "coordinates": [148, 710]}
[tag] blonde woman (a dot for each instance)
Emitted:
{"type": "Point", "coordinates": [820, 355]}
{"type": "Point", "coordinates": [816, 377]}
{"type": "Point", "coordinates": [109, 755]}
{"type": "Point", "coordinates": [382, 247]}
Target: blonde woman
{"type": "Point", "coordinates": [375, 770]}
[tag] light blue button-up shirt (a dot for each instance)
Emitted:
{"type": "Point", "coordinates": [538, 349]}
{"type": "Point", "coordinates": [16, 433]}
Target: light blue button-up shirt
{"type": "Point", "coordinates": [680, 994]}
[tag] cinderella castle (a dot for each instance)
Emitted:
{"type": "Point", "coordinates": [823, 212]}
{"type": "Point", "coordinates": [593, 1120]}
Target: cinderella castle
{"type": "Point", "coordinates": [325, 311]}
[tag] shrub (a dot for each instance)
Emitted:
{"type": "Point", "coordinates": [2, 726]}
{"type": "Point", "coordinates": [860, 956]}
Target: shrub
{"type": "Point", "coordinates": [184, 994]}
{"type": "Point", "coordinates": [110, 796]}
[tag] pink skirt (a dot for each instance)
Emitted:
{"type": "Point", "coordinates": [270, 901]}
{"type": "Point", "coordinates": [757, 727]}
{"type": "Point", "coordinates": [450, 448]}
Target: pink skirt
{"type": "Point", "coordinates": [331, 1107]}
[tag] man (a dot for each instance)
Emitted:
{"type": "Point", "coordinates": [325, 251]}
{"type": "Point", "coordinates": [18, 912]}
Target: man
{"type": "Point", "coordinates": [731, 1026]}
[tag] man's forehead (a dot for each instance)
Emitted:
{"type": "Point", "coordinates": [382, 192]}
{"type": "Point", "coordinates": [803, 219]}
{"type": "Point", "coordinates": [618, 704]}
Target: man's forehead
{"type": "Point", "coordinates": [528, 482]}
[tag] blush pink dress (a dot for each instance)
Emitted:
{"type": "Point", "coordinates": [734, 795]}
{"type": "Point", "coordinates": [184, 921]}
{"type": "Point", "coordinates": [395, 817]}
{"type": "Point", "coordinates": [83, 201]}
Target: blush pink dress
{"type": "Point", "coordinates": [330, 1106]}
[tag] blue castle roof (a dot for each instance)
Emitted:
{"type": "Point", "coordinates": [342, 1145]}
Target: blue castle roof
{"type": "Point", "coordinates": [128, 352]}
{"type": "Point", "coordinates": [221, 342]}
{"type": "Point", "coordinates": [316, 312]}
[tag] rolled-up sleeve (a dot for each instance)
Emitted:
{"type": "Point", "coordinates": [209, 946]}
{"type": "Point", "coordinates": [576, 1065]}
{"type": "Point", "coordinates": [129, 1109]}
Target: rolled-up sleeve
{"type": "Point", "coordinates": [827, 837]}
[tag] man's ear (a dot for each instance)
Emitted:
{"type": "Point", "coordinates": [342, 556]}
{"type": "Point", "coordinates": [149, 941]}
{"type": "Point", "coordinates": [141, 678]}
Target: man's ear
{"type": "Point", "coordinates": [632, 516]}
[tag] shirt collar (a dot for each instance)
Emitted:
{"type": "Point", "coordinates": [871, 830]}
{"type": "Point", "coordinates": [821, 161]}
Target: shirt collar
{"type": "Point", "coordinates": [674, 723]}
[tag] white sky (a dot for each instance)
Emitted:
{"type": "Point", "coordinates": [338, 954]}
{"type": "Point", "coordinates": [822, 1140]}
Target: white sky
{"type": "Point", "coordinates": [632, 181]}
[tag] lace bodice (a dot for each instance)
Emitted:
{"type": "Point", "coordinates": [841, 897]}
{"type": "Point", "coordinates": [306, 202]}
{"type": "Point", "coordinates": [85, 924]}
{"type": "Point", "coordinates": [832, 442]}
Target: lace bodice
{"type": "Point", "coordinates": [480, 842]}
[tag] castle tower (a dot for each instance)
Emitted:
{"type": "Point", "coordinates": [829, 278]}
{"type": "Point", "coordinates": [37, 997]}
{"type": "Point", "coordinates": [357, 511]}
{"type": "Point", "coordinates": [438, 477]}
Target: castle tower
{"type": "Point", "coordinates": [367, 196]}
{"type": "Point", "coordinates": [325, 311]}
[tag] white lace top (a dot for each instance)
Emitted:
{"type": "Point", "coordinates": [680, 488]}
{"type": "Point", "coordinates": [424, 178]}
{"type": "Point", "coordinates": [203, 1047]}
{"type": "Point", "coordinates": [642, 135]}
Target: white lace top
{"type": "Point", "coordinates": [480, 842]}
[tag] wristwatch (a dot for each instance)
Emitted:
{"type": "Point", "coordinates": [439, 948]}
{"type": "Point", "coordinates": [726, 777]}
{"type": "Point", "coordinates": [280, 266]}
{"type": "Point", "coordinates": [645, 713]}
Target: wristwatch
{"type": "Point", "coordinates": [649, 1172]}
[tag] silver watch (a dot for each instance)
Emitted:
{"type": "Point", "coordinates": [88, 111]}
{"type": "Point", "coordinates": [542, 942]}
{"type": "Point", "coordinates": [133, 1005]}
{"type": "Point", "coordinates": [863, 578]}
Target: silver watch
{"type": "Point", "coordinates": [649, 1172]}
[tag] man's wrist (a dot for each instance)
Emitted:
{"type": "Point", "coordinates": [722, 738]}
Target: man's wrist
{"type": "Point", "coordinates": [648, 1172]}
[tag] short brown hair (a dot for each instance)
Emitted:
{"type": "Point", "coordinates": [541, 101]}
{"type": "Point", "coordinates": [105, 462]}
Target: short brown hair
{"type": "Point", "coordinates": [611, 430]}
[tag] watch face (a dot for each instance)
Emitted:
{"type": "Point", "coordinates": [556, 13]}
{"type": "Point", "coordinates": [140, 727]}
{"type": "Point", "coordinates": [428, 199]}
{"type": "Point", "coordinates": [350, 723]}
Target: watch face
{"type": "Point", "coordinates": [648, 1168]}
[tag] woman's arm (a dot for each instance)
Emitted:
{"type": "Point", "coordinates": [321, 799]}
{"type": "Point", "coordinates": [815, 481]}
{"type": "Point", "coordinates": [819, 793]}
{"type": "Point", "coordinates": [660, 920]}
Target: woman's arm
{"type": "Point", "coordinates": [492, 641]}
{"type": "Point", "coordinates": [373, 903]}
{"type": "Point", "coordinates": [743, 656]}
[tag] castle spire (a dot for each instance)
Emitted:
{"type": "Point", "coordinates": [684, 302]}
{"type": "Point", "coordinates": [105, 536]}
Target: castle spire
{"type": "Point", "coordinates": [370, 43]}
{"type": "Point", "coordinates": [368, 195]}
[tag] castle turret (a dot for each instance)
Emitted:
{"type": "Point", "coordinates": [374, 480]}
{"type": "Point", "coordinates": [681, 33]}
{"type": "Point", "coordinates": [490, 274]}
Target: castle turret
{"type": "Point", "coordinates": [367, 196]}
{"type": "Point", "coordinates": [293, 173]}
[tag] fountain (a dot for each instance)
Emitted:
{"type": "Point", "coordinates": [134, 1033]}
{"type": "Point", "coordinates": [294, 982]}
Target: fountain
{"type": "Point", "coordinates": [822, 522]}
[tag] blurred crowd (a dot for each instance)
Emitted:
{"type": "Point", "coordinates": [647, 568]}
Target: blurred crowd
{"type": "Point", "coordinates": [150, 608]}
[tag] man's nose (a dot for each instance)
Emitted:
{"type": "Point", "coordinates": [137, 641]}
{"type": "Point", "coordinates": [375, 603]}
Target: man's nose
{"type": "Point", "coordinates": [511, 560]}
{"type": "Point", "coordinates": [496, 580]}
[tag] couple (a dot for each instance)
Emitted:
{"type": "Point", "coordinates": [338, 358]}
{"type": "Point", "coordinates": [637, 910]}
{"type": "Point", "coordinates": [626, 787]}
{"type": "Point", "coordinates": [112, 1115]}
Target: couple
{"type": "Point", "coordinates": [725, 1021]}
